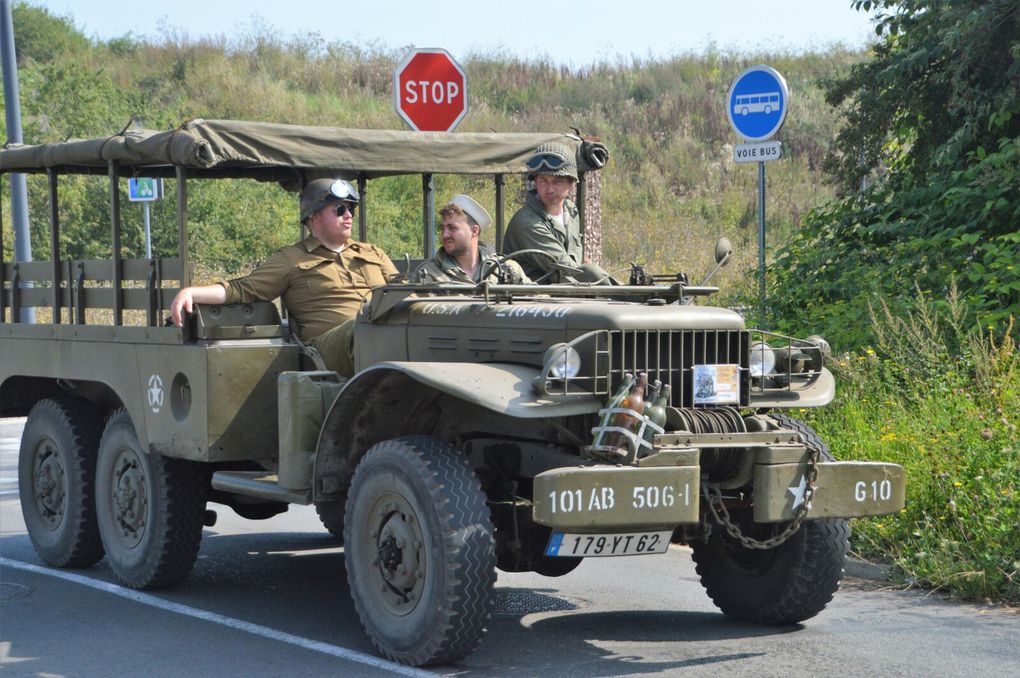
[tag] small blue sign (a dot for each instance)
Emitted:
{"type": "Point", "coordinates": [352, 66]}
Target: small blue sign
{"type": "Point", "coordinates": [145, 189]}
{"type": "Point", "coordinates": [758, 102]}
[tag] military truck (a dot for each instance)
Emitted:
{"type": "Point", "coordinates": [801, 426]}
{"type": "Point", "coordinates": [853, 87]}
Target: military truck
{"type": "Point", "coordinates": [484, 427]}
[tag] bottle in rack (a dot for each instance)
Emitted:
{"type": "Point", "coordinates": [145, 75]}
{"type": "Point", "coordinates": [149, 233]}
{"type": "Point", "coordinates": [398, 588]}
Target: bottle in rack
{"type": "Point", "coordinates": [631, 421]}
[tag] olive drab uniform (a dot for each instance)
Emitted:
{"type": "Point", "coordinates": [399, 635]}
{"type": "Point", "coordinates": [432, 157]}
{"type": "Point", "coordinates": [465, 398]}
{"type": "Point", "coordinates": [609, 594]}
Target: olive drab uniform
{"type": "Point", "coordinates": [532, 228]}
{"type": "Point", "coordinates": [444, 268]}
{"type": "Point", "coordinates": [322, 290]}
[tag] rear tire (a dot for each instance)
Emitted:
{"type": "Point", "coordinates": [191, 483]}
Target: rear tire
{"type": "Point", "coordinates": [420, 551]}
{"type": "Point", "coordinates": [150, 509]}
{"type": "Point", "coordinates": [783, 585]}
{"type": "Point", "coordinates": [331, 513]}
{"type": "Point", "coordinates": [56, 473]}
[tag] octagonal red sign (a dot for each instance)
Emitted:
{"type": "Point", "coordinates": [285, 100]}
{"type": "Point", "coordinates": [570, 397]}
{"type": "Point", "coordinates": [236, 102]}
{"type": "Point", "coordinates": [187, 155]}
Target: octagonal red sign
{"type": "Point", "coordinates": [430, 90]}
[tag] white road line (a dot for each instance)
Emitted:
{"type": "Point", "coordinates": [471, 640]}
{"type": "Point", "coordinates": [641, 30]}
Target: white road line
{"type": "Point", "coordinates": [8, 493]}
{"type": "Point", "coordinates": [204, 615]}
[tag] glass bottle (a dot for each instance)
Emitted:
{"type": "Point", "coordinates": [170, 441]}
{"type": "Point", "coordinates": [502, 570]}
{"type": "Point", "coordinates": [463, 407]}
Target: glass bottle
{"type": "Point", "coordinates": [621, 393]}
{"type": "Point", "coordinates": [631, 421]}
{"type": "Point", "coordinates": [657, 412]}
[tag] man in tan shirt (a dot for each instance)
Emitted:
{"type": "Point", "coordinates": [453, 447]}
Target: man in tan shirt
{"type": "Point", "coordinates": [322, 280]}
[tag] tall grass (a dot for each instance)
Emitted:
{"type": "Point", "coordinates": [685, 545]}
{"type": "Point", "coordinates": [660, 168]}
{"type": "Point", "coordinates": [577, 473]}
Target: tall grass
{"type": "Point", "coordinates": [670, 189]}
{"type": "Point", "coordinates": [944, 402]}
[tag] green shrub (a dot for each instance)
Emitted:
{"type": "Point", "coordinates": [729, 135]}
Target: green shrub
{"type": "Point", "coordinates": [943, 402]}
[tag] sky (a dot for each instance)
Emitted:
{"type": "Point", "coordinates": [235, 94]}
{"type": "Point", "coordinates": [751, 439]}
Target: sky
{"type": "Point", "coordinates": [567, 33]}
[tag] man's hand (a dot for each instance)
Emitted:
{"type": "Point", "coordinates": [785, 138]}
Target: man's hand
{"type": "Point", "coordinates": [189, 296]}
{"type": "Point", "coordinates": [183, 301]}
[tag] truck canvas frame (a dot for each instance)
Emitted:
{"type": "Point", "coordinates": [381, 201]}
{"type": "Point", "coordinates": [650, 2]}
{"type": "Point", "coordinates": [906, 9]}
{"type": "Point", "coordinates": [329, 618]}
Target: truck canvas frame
{"type": "Point", "coordinates": [485, 426]}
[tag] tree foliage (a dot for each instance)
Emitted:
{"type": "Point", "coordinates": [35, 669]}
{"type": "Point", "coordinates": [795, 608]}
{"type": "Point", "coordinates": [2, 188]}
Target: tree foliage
{"type": "Point", "coordinates": [933, 118]}
{"type": "Point", "coordinates": [670, 189]}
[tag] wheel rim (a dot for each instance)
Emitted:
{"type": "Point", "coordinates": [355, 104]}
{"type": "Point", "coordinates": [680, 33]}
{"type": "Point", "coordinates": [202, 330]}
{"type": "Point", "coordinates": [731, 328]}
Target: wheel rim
{"type": "Point", "coordinates": [129, 499]}
{"type": "Point", "coordinates": [398, 567]}
{"type": "Point", "coordinates": [48, 483]}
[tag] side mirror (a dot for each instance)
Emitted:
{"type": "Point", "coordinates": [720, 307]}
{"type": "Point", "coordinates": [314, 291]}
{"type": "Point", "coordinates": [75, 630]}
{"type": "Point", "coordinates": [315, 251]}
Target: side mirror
{"type": "Point", "coordinates": [723, 251]}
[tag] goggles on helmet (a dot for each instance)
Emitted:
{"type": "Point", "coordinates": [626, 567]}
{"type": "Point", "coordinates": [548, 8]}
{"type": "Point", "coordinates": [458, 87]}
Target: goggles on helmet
{"type": "Point", "coordinates": [344, 190]}
{"type": "Point", "coordinates": [550, 160]}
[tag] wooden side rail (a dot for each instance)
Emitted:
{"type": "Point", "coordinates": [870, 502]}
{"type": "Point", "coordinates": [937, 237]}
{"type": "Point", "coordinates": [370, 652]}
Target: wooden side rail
{"type": "Point", "coordinates": [89, 284]}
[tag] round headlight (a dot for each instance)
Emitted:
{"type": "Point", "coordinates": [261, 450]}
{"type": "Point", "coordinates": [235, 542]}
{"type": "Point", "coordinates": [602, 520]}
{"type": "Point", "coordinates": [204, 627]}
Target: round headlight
{"type": "Point", "coordinates": [563, 361]}
{"type": "Point", "coordinates": [763, 359]}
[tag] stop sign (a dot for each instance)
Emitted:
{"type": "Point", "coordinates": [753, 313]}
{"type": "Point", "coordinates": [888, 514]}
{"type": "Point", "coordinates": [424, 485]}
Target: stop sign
{"type": "Point", "coordinates": [430, 90]}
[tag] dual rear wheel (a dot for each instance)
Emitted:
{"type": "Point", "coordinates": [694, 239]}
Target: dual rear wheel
{"type": "Point", "coordinates": [88, 490]}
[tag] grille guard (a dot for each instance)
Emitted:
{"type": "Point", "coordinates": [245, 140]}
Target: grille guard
{"type": "Point", "coordinates": [670, 356]}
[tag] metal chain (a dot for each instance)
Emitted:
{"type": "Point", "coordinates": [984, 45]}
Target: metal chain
{"type": "Point", "coordinates": [722, 515]}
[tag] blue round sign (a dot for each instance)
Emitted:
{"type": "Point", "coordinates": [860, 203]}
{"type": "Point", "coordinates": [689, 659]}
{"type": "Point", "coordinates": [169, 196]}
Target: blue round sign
{"type": "Point", "coordinates": [758, 102]}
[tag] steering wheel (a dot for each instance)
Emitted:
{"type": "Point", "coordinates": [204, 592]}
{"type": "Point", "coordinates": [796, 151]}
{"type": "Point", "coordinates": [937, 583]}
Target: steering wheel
{"type": "Point", "coordinates": [500, 259]}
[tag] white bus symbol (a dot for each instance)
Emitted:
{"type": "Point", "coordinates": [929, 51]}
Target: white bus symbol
{"type": "Point", "coordinates": [764, 102]}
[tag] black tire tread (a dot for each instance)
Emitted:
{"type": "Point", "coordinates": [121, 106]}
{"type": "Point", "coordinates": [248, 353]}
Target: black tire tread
{"type": "Point", "coordinates": [179, 535]}
{"type": "Point", "coordinates": [818, 549]}
{"type": "Point", "coordinates": [83, 423]}
{"type": "Point", "coordinates": [469, 545]}
{"type": "Point", "coordinates": [331, 515]}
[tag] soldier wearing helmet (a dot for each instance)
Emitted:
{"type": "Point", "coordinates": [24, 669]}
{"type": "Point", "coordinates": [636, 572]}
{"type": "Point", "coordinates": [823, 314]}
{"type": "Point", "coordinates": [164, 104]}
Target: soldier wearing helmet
{"type": "Point", "coordinates": [322, 280]}
{"type": "Point", "coordinates": [549, 221]}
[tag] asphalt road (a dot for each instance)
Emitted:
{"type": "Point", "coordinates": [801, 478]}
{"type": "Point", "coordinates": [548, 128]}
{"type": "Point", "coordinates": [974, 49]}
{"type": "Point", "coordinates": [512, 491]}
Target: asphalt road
{"type": "Point", "coordinates": [269, 598]}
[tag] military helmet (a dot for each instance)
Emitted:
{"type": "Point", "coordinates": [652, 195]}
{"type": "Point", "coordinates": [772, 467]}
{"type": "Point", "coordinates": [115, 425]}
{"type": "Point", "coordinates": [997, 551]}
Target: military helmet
{"type": "Point", "coordinates": [554, 160]}
{"type": "Point", "coordinates": [319, 193]}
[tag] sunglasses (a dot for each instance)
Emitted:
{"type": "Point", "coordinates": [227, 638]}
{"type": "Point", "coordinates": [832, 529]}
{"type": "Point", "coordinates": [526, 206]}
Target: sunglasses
{"type": "Point", "coordinates": [343, 208]}
{"type": "Point", "coordinates": [553, 162]}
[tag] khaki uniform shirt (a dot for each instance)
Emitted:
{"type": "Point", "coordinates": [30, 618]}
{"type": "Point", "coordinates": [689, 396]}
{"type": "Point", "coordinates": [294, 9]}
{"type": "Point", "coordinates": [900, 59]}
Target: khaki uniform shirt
{"type": "Point", "coordinates": [444, 268]}
{"type": "Point", "coordinates": [319, 287]}
{"type": "Point", "coordinates": [532, 228]}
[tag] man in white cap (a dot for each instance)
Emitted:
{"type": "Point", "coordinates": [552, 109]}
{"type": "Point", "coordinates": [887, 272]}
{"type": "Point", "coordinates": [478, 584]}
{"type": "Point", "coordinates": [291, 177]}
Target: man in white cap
{"type": "Point", "coordinates": [463, 258]}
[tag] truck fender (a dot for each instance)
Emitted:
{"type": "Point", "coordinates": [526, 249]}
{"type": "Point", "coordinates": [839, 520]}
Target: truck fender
{"type": "Point", "coordinates": [818, 393]}
{"type": "Point", "coordinates": [500, 387]}
{"type": "Point", "coordinates": [363, 412]}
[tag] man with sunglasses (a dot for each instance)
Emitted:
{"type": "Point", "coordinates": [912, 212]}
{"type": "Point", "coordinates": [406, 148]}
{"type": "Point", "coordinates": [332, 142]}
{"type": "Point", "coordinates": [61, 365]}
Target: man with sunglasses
{"type": "Point", "coordinates": [463, 257]}
{"type": "Point", "coordinates": [549, 221]}
{"type": "Point", "coordinates": [322, 280]}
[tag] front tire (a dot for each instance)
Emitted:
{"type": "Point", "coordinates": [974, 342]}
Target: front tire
{"type": "Point", "coordinates": [782, 585]}
{"type": "Point", "coordinates": [420, 551]}
{"type": "Point", "coordinates": [56, 472]}
{"type": "Point", "coordinates": [150, 509]}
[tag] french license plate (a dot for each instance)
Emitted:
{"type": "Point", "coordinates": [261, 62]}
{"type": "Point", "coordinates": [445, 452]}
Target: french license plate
{"type": "Point", "coordinates": [565, 544]}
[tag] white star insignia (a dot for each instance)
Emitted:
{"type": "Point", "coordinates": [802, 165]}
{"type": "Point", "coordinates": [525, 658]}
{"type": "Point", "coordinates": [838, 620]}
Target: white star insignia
{"type": "Point", "coordinates": [798, 492]}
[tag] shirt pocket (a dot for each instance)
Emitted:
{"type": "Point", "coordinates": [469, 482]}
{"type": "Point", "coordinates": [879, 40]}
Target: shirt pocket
{"type": "Point", "coordinates": [322, 276]}
{"type": "Point", "coordinates": [367, 269]}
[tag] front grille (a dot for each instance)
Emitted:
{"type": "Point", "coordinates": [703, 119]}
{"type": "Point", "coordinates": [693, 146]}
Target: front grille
{"type": "Point", "coordinates": [670, 356]}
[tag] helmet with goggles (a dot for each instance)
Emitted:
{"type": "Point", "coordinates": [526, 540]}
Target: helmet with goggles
{"type": "Point", "coordinates": [321, 192]}
{"type": "Point", "coordinates": [553, 160]}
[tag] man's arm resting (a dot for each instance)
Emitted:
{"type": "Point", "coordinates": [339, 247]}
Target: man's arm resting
{"type": "Point", "coordinates": [189, 296]}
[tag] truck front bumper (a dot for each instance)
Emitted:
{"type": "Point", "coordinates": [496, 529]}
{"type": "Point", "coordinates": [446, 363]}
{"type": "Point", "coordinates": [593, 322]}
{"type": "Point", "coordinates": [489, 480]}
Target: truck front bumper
{"type": "Point", "coordinates": [664, 490]}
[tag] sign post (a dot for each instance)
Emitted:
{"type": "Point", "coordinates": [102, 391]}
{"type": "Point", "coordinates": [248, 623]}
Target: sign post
{"type": "Point", "coordinates": [756, 106]}
{"type": "Point", "coordinates": [430, 94]}
{"type": "Point", "coordinates": [145, 190]}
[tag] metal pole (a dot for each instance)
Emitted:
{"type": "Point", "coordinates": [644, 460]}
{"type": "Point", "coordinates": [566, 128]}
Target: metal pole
{"type": "Point", "coordinates": [429, 188]}
{"type": "Point", "coordinates": [148, 231]}
{"type": "Point", "coordinates": [499, 213]}
{"type": "Point", "coordinates": [19, 187]}
{"type": "Point", "coordinates": [761, 238]}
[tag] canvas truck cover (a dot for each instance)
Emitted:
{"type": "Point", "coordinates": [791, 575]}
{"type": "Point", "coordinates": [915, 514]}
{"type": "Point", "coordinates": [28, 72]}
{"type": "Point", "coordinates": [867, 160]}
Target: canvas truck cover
{"type": "Point", "coordinates": [277, 152]}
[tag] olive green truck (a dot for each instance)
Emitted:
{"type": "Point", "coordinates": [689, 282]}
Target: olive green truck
{"type": "Point", "coordinates": [473, 436]}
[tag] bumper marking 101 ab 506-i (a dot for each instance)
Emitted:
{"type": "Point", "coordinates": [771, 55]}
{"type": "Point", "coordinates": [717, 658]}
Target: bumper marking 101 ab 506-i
{"type": "Point", "coordinates": [664, 489]}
